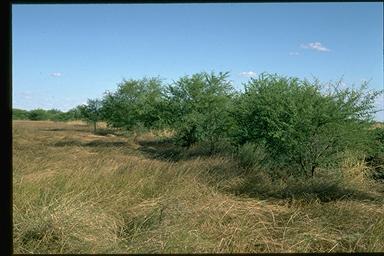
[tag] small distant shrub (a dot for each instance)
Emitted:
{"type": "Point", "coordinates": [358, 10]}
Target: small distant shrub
{"type": "Point", "coordinates": [19, 114]}
{"type": "Point", "coordinates": [92, 112]}
{"type": "Point", "coordinates": [38, 114]}
{"type": "Point", "coordinates": [41, 114]}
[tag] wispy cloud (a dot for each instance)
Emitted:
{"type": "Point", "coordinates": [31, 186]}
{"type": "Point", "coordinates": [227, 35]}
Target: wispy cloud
{"type": "Point", "coordinates": [56, 74]}
{"type": "Point", "coordinates": [294, 53]}
{"type": "Point", "coordinates": [25, 95]}
{"type": "Point", "coordinates": [315, 46]}
{"type": "Point", "coordinates": [248, 74]}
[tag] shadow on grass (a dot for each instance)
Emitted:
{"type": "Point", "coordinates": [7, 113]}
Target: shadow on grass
{"type": "Point", "coordinates": [161, 149]}
{"type": "Point", "coordinates": [86, 128]}
{"type": "Point", "coordinates": [325, 190]}
{"type": "Point", "coordinates": [105, 132]}
{"type": "Point", "coordinates": [40, 233]}
{"type": "Point", "coordinates": [168, 150]}
{"type": "Point", "coordinates": [64, 129]}
{"type": "Point", "coordinates": [95, 143]}
{"type": "Point", "coordinates": [54, 129]}
{"type": "Point", "coordinates": [101, 143]}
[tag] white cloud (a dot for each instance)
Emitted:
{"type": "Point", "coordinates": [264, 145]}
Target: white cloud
{"type": "Point", "coordinates": [315, 46]}
{"type": "Point", "coordinates": [294, 53]}
{"type": "Point", "coordinates": [248, 74]}
{"type": "Point", "coordinates": [56, 74]}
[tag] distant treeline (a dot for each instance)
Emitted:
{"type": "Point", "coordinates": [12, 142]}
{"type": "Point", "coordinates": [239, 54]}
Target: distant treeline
{"type": "Point", "coordinates": [41, 114]}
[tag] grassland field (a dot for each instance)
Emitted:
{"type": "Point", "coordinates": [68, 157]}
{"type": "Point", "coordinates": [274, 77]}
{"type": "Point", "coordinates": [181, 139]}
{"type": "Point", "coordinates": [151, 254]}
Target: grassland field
{"type": "Point", "coordinates": [78, 192]}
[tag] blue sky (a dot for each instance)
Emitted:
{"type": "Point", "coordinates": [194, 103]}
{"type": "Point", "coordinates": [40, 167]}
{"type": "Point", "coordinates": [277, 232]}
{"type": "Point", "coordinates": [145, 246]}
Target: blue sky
{"type": "Point", "coordinates": [64, 54]}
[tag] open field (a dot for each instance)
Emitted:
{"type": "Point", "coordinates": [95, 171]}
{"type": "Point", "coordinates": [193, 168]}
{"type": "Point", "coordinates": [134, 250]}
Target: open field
{"type": "Point", "coordinates": [76, 192]}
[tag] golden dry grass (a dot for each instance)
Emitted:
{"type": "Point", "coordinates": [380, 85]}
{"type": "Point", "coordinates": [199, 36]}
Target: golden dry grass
{"type": "Point", "coordinates": [75, 192]}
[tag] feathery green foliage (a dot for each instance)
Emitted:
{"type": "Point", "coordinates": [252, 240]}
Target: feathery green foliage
{"type": "Point", "coordinates": [37, 114]}
{"type": "Point", "coordinates": [92, 112]}
{"type": "Point", "coordinates": [19, 114]}
{"type": "Point", "coordinates": [202, 104]}
{"type": "Point", "coordinates": [135, 103]}
{"type": "Point", "coordinates": [303, 126]}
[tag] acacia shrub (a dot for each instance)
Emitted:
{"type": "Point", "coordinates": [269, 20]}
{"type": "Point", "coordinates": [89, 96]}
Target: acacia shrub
{"type": "Point", "coordinates": [92, 112]}
{"type": "Point", "coordinates": [303, 125]}
{"type": "Point", "coordinates": [38, 114]}
{"type": "Point", "coordinates": [135, 103]}
{"type": "Point", "coordinates": [201, 106]}
{"type": "Point", "coordinates": [19, 114]}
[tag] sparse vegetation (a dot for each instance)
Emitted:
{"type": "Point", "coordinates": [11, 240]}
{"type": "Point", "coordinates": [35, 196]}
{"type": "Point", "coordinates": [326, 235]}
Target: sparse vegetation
{"type": "Point", "coordinates": [41, 114]}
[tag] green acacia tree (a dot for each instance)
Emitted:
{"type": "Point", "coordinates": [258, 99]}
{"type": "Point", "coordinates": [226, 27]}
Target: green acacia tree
{"type": "Point", "coordinates": [200, 105]}
{"type": "Point", "coordinates": [135, 103]}
{"type": "Point", "coordinates": [54, 114]}
{"type": "Point", "coordinates": [92, 112]}
{"type": "Point", "coordinates": [38, 114]}
{"type": "Point", "coordinates": [303, 125]}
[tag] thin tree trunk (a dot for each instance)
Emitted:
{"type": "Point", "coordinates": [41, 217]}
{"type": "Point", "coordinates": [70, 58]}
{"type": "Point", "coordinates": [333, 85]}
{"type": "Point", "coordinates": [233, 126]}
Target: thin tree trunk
{"type": "Point", "coordinates": [94, 127]}
{"type": "Point", "coordinates": [313, 170]}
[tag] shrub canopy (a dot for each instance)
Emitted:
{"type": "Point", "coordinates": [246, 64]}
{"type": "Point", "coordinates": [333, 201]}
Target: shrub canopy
{"type": "Point", "coordinates": [135, 103]}
{"type": "Point", "coordinates": [303, 125]}
{"type": "Point", "coordinates": [201, 105]}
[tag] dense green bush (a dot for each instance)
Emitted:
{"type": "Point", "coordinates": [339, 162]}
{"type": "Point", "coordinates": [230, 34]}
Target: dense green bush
{"type": "Point", "coordinates": [41, 114]}
{"type": "Point", "coordinates": [201, 105]}
{"type": "Point", "coordinates": [19, 114]}
{"type": "Point", "coordinates": [92, 111]}
{"type": "Point", "coordinates": [38, 114]}
{"type": "Point", "coordinates": [303, 125]}
{"type": "Point", "coordinates": [135, 103]}
{"type": "Point", "coordinates": [376, 154]}
{"type": "Point", "coordinates": [72, 114]}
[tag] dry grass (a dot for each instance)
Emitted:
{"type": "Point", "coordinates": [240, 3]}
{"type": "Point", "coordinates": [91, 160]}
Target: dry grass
{"type": "Point", "coordinates": [75, 192]}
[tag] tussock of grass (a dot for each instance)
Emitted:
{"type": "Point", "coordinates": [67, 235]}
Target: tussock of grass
{"type": "Point", "coordinates": [105, 194]}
